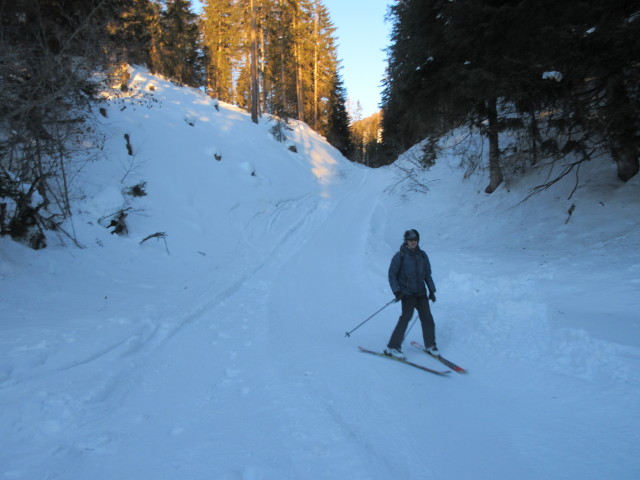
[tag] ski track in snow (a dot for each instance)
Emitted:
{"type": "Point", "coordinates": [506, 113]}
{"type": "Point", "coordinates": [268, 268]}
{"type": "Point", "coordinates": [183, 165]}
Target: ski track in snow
{"type": "Point", "coordinates": [270, 313]}
{"type": "Point", "coordinates": [238, 369]}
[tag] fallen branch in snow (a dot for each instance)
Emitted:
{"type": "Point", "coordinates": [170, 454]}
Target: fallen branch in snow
{"type": "Point", "coordinates": [570, 212]}
{"type": "Point", "coordinates": [124, 210]}
{"type": "Point", "coordinates": [71, 237]}
{"type": "Point", "coordinates": [155, 235]}
{"type": "Point", "coordinates": [161, 235]}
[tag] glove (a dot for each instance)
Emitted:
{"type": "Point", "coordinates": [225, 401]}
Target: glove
{"type": "Point", "coordinates": [399, 296]}
{"type": "Point", "coordinates": [432, 297]}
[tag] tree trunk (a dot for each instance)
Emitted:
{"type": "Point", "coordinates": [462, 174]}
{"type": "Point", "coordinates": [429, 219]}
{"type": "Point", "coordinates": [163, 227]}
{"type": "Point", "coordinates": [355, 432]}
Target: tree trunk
{"type": "Point", "coordinates": [621, 135]}
{"type": "Point", "coordinates": [216, 73]}
{"type": "Point", "coordinates": [315, 66]}
{"type": "Point", "coordinates": [297, 54]}
{"type": "Point", "coordinates": [495, 173]}
{"type": "Point", "coordinates": [255, 88]}
{"type": "Point", "coordinates": [533, 136]}
{"type": "Point", "coordinates": [263, 74]}
{"type": "Point", "coordinates": [625, 155]}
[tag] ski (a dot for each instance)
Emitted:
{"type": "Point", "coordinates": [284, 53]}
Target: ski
{"type": "Point", "coordinates": [441, 359]}
{"type": "Point", "coordinates": [407, 362]}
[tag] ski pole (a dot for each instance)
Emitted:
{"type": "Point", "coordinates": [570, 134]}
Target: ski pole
{"type": "Point", "coordinates": [409, 329]}
{"type": "Point", "coordinates": [348, 334]}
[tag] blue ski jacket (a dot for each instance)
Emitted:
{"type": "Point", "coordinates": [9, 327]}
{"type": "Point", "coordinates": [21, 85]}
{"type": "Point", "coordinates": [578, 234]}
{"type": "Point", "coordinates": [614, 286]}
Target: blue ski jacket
{"type": "Point", "coordinates": [409, 271]}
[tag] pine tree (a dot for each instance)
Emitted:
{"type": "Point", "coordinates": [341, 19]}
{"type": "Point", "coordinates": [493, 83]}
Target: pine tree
{"type": "Point", "coordinates": [337, 124]}
{"type": "Point", "coordinates": [278, 48]}
{"type": "Point", "coordinates": [560, 75]}
{"type": "Point", "coordinates": [325, 82]}
{"type": "Point", "coordinates": [417, 74]}
{"type": "Point", "coordinates": [220, 38]}
{"type": "Point", "coordinates": [177, 56]}
{"type": "Point", "coordinates": [299, 42]}
{"type": "Point", "coordinates": [135, 31]}
{"type": "Point", "coordinates": [365, 138]}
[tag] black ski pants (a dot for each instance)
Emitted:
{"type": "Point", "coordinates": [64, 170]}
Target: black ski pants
{"type": "Point", "coordinates": [409, 304]}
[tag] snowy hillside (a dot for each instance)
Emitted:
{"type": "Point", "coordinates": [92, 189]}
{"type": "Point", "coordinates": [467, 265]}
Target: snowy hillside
{"type": "Point", "coordinates": [215, 349]}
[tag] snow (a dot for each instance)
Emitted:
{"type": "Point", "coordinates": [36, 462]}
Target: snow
{"type": "Point", "coordinates": [218, 351]}
{"type": "Point", "coordinates": [553, 75]}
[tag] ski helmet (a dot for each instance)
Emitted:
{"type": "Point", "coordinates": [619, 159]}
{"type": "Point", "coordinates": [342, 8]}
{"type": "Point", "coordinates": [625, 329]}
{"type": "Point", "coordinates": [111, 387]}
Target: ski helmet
{"type": "Point", "coordinates": [411, 235]}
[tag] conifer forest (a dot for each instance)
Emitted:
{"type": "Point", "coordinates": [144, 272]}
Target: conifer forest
{"type": "Point", "coordinates": [541, 80]}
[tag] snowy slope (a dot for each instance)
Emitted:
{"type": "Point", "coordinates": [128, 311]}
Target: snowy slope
{"type": "Point", "coordinates": [218, 351]}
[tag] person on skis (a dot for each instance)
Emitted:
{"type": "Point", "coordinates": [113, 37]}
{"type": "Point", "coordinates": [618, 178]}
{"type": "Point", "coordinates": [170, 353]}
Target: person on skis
{"type": "Point", "coordinates": [409, 278]}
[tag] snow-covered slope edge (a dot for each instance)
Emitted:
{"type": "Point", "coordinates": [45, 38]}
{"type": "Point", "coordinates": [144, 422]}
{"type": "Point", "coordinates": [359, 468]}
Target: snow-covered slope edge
{"type": "Point", "coordinates": [221, 193]}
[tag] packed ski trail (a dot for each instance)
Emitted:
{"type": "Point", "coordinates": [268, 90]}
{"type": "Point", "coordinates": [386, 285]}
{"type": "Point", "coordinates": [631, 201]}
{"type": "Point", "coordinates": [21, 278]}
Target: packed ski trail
{"type": "Point", "coordinates": [227, 359]}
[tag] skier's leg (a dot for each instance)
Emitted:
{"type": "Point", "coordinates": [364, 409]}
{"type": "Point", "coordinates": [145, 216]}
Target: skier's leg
{"type": "Point", "coordinates": [426, 320]}
{"type": "Point", "coordinates": [408, 306]}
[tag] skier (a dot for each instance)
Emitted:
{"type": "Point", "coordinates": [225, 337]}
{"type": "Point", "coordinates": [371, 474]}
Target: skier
{"type": "Point", "coordinates": [409, 271]}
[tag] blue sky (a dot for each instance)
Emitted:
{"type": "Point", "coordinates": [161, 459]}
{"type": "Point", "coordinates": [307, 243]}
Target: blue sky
{"type": "Point", "coordinates": [362, 37]}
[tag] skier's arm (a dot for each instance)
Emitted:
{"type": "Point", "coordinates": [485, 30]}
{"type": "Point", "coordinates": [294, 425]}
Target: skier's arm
{"type": "Point", "coordinates": [394, 269]}
{"type": "Point", "coordinates": [427, 275]}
